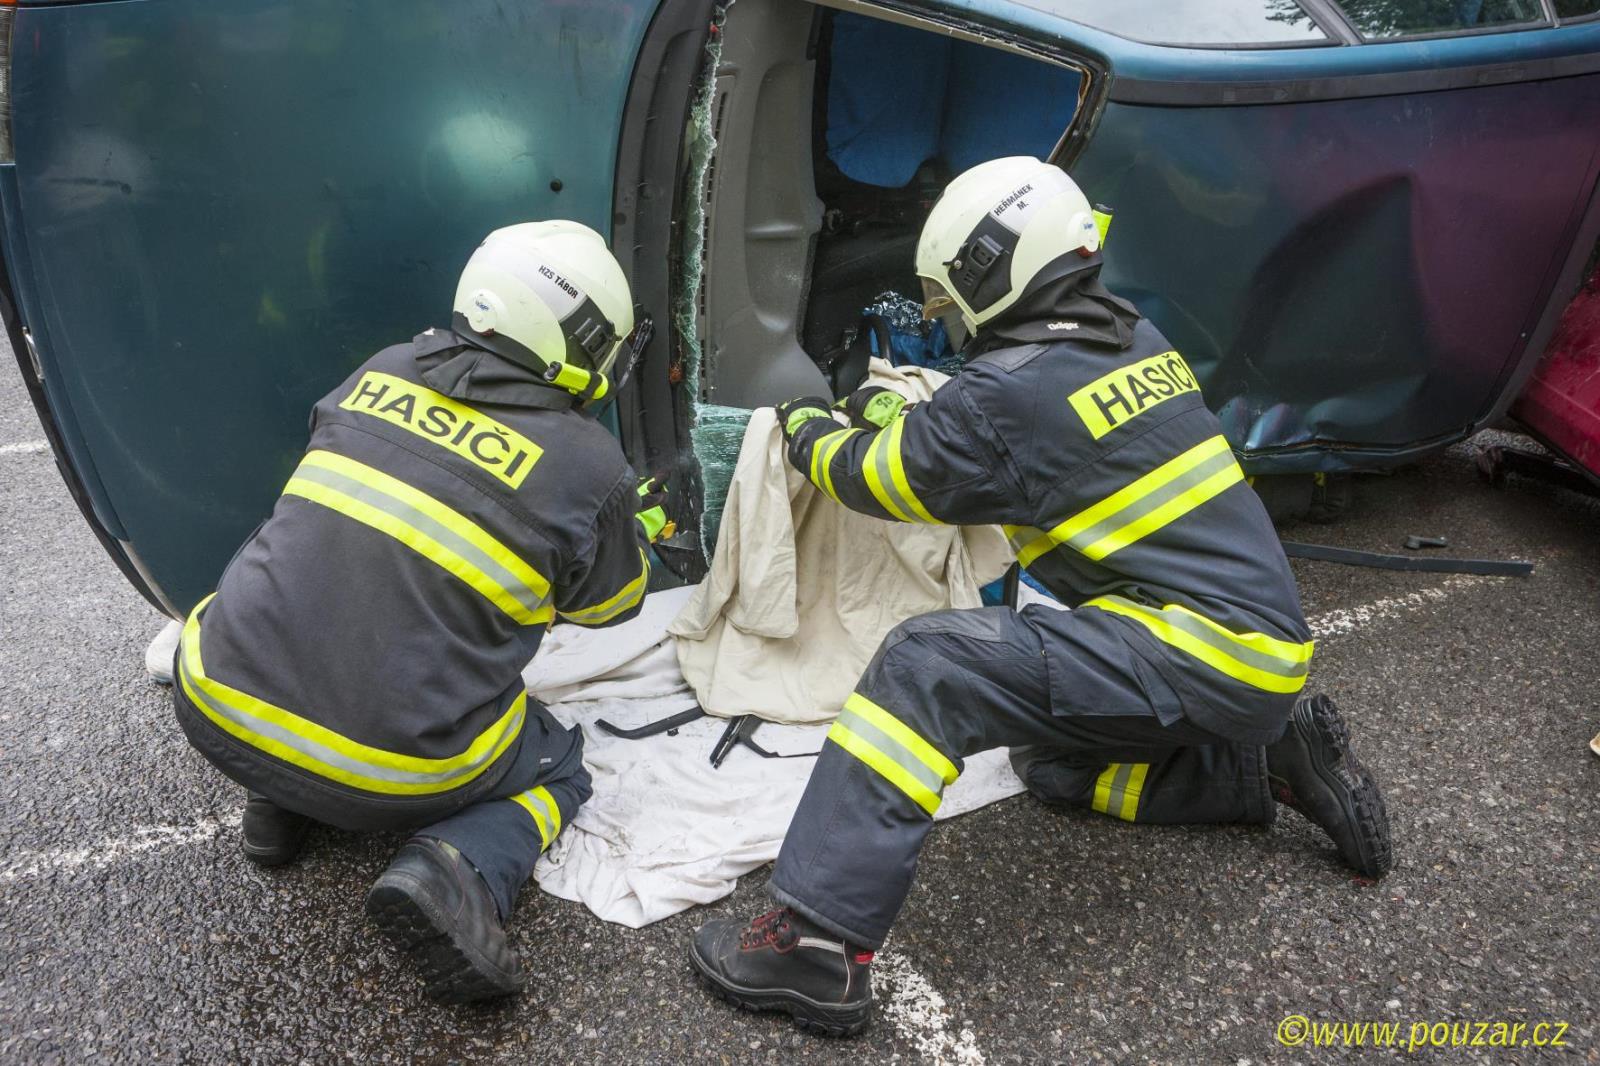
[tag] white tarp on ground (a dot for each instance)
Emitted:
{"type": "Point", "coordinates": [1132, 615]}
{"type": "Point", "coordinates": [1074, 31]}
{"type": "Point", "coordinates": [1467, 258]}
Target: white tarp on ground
{"type": "Point", "coordinates": [664, 830]}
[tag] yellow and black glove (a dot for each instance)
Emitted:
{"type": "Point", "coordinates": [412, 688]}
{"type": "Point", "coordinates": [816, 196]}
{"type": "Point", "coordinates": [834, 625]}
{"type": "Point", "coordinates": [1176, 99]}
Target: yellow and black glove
{"type": "Point", "coordinates": [873, 407]}
{"type": "Point", "coordinates": [792, 414]}
{"type": "Point", "coordinates": [652, 512]}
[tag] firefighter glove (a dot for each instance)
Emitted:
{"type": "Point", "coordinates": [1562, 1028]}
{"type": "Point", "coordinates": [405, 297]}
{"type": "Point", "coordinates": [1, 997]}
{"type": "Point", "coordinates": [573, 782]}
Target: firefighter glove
{"type": "Point", "coordinates": [873, 407]}
{"type": "Point", "coordinates": [652, 513]}
{"type": "Point", "coordinates": [792, 414]}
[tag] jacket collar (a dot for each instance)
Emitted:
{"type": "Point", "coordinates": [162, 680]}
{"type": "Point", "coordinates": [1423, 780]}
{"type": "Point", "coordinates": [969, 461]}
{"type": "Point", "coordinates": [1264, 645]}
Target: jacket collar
{"type": "Point", "coordinates": [1075, 307]}
{"type": "Point", "coordinates": [453, 365]}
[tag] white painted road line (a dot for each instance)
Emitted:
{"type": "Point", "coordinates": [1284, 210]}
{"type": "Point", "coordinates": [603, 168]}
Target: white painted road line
{"type": "Point", "coordinates": [1349, 619]}
{"type": "Point", "coordinates": [26, 447]}
{"type": "Point", "coordinates": [111, 850]}
{"type": "Point", "coordinates": [918, 1013]}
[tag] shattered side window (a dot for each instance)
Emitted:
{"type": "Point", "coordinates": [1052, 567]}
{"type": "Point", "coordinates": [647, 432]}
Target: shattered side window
{"type": "Point", "coordinates": [1411, 18]}
{"type": "Point", "coordinates": [1194, 22]}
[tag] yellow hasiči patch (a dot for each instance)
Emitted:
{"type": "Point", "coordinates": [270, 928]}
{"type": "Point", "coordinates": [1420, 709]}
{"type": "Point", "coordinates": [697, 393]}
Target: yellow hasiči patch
{"type": "Point", "coordinates": [1129, 391]}
{"type": "Point", "coordinates": [452, 425]}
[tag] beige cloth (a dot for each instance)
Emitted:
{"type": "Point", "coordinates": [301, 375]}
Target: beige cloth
{"type": "Point", "coordinates": [802, 590]}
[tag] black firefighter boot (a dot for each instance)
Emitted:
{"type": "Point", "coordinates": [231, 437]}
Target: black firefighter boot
{"type": "Point", "coordinates": [435, 906]}
{"type": "Point", "coordinates": [783, 961]}
{"type": "Point", "coordinates": [271, 836]}
{"type": "Point", "coordinates": [1313, 771]}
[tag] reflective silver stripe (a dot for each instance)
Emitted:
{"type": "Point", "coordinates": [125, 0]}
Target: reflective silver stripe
{"type": "Point", "coordinates": [372, 497]}
{"type": "Point", "coordinates": [903, 757]}
{"type": "Point", "coordinates": [324, 754]}
{"type": "Point", "coordinates": [883, 462]}
{"type": "Point", "coordinates": [1197, 629]}
{"type": "Point", "coordinates": [1119, 786]}
{"type": "Point", "coordinates": [1021, 536]}
{"type": "Point", "coordinates": [1137, 509]}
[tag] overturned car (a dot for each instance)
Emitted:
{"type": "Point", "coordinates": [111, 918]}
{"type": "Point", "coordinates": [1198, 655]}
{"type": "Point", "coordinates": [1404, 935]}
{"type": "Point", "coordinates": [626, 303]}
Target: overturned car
{"type": "Point", "coordinates": [1360, 221]}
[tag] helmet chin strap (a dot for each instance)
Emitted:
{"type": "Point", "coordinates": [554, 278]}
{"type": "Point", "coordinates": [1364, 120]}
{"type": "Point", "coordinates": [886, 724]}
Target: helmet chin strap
{"type": "Point", "coordinates": [589, 386]}
{"type": "Point", "coordinates": [955, 327]}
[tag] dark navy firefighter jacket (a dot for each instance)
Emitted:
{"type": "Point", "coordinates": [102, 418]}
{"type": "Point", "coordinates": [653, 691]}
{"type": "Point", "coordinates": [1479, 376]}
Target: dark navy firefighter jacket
{"type": "Point", "coordinates": [1119, 494]}
{"type": "Point", "coordinates": [361, 659]}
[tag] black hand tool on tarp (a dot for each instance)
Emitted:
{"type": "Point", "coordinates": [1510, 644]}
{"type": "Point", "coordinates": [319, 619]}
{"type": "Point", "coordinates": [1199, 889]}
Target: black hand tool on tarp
{"type": "Point", "coordinates": [740, 730]}
{"type": "Point", "coordinates": [1351, 557]}
{"type": "Point", "coordinates": [651, 729]}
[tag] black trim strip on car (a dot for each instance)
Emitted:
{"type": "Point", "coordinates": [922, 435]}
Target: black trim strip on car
{"type": "Point", "coordinates": [1126, 90]}
{"type": "Point", "coordinates": [654, 415]}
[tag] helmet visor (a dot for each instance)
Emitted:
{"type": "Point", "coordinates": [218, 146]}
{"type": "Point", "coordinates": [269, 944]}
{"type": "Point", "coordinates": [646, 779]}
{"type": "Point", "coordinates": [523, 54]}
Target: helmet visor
{"type": "Point", "coordinates": [937, 303]}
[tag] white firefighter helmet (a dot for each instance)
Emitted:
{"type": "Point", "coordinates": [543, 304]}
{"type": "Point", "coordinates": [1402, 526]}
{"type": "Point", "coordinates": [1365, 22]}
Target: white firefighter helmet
{"type": "Point", "coordinates": [994, 230]}
{"type": "Point", "coordinates": [551, 296]}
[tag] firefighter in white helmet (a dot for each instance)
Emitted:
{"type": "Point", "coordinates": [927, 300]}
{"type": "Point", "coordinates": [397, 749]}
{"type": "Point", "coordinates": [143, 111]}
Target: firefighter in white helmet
{"type": "Point", "coordinates": [1171, 692]}
{"type": "Point", "coordinates": [360, 663]}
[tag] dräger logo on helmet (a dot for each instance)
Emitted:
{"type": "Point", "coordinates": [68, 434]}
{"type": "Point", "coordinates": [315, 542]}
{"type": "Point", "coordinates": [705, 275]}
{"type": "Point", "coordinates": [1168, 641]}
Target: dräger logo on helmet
{"type": "Point", "coordinates": [1128, 392]}
{"type": "Point", "coordinates": [471, 434]}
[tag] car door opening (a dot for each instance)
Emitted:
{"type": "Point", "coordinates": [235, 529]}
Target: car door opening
{"type": "Point", "coordinates": [818, 143]}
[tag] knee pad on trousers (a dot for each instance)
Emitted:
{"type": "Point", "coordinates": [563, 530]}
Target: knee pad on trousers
{"type": "Point", "coordinates": [1054, 776]}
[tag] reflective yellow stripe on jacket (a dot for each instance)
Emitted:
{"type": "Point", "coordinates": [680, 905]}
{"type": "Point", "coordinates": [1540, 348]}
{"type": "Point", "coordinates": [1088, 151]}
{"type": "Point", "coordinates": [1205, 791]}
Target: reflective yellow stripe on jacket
{"type": "Point", "coordinates": [894, 750]}
{"type": "Point", "coordinates": [316, 748]}
{"type": "Point", "coordinates": [1254, 658]}
{"type": "Point", "coordinates": [822, 453]}
{"type": "Point", "coordinates": [1139, 508]}
{"type": "Point", "coordinates": [546, 814]}
{"type": "Point", "coordinates": [432, 529]}
{"type": "Point", "coordinates": [885, 473]}
{"type": "Point", "coordinates": [626, 599]}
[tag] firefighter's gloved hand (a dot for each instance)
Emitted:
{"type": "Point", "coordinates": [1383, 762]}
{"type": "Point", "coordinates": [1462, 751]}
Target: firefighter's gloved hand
{"type": "Point", "coordinates": [652, 512]}
{"type": "Point", "coordinates": [792, 414]}
{"type": "Point", "coordinates": [873, 407]}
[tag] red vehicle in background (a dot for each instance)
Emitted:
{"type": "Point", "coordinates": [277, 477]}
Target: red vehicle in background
{"type": "Point", "coordinates": [1561, 403]}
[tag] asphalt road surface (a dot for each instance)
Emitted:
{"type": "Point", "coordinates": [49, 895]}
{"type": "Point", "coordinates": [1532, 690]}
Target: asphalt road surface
{"type": "Point", "coordinates": [131, 929]}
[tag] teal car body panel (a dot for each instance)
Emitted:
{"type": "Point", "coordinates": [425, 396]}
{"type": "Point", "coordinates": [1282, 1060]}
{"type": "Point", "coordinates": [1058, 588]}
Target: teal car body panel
{"type": "Point", "coordinates": [218, 210]}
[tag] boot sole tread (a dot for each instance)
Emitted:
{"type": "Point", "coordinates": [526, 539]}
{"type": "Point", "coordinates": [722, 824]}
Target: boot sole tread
{"type": "Point", "coordinates": [1371, 815]}
{"type": "Point", "coordinates": [450, 972]}
{"type": "Point", "coordinates": [813, 1017]}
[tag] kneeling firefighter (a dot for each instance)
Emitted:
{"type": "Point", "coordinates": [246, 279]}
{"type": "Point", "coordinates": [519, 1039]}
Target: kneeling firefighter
{"type": "Point", "coordinates": [1169, 693]}
{"type": "Point", "coordinates": [360, 663]}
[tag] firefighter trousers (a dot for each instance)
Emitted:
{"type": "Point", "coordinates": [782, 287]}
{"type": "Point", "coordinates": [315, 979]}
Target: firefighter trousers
{"type": "Point", "coordinates": [1089, 725]}
{"type": "Point", "coordinates": [502, 829]}
{"type": "Point", "coordinates": [539, 794]}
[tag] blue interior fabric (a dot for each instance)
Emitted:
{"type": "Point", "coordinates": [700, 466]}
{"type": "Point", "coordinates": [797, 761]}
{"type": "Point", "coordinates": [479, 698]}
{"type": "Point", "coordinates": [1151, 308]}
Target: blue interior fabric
{"type": "Point", "coordinates": [886, 93]}
{"type": "Point", "coordinates": [898, 97]}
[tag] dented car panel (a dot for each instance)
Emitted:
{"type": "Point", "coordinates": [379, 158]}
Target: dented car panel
{"type": "Point", "coordinates": [1357, 280]}
{"type": "Point", "coordinates": [1358, 249]}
